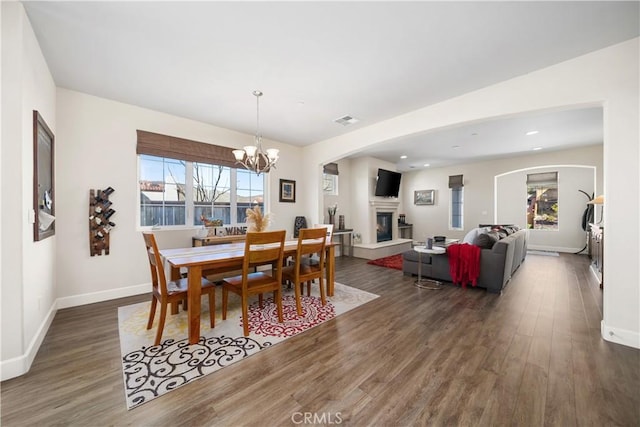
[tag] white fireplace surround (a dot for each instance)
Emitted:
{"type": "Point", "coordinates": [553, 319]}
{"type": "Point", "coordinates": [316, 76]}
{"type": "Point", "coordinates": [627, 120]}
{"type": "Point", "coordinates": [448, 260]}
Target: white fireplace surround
{"type": "Point", "coordinates": [386, 206]}
{"type": "Point", "coordinates": [369, 248]}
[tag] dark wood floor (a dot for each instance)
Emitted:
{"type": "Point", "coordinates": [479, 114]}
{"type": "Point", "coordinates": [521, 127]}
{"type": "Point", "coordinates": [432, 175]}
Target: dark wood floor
{"type": "Point", "coordinates": [533, 356]}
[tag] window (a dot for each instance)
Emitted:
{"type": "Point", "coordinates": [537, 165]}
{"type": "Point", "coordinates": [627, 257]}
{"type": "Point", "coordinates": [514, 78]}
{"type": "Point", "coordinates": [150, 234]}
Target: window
{"type": "Point", "coordinates": [182, 181]}
{"type": "Point", "coordinates": [457, 199]}
{"type": "Point", "coordinates": [168, 198]}
{"type": "Point", "coordinates": [162, 191]}
{"type": "Point", "coordinates": [330, 185]}
{"type": "Point", "coordinates": [330, 179]}
{"type": "Point", "coordinates": [456, 186]}
{"type": "Point", "coordinates": [542, 201]}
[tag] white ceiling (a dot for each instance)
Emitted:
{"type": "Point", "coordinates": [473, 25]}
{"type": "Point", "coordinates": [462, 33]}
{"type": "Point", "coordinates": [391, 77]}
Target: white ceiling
{"type": "Point", "coordinates": [317, 61]}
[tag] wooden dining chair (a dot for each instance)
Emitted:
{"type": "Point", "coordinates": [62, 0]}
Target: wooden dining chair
{"type": "Point", "coordinates": [310, 241]}
{"type": "Point", "coordinates": [261, 248]}
{"type": "Point", "coordinates": [170, 292]}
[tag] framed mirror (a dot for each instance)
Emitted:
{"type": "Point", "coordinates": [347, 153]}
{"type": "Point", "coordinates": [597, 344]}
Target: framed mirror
{"type": "Point", "coordinates": [43, 182]}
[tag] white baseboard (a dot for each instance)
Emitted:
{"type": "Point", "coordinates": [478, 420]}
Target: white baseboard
{"type": "Point", "coordinates": [553, 249]}
{"type": "Point", "coordinates": [620, 336]}
{"type": "Point", "coordinates": [20, 365]}
{"type": "Point", "coordinates": [93, 297]}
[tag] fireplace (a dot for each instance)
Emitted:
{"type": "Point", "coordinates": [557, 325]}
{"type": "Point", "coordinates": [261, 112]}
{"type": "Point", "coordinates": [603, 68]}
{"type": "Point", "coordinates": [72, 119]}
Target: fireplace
{"type": "Point", "coordinates": [384, 229]}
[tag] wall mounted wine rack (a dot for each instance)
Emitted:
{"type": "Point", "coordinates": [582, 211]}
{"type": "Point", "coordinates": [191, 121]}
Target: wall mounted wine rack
{"type": "Point", "coordinates": [100, 220]}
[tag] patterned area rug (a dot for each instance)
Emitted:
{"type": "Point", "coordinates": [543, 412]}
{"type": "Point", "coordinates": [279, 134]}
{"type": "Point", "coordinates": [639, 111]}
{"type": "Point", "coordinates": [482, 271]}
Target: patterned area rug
{"type": "Point", "coordinates": [393, 261]}
{"type": "Point", "coordinates": [151, 371]}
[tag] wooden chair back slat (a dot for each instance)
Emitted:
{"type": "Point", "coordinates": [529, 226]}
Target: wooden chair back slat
{"type": "Point", "coordinates": [261, 248]}
{"type": "Point", "coordinates": [158, 278]}
{"type": "Point", "coordinates": [311, 241]}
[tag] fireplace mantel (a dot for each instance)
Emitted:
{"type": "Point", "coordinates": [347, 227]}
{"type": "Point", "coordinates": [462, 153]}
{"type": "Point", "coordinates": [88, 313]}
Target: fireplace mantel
{"type": "Point", "coordinates": [384, 204]}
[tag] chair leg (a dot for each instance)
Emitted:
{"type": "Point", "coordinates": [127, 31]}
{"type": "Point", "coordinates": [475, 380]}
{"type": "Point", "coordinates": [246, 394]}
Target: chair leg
{"type": "Point", "coordinates": [152, 311]}
{"type": "Point", "coordinates": [245, 315]}
{"type": "Point", "coordinates": [308, 288]}
{"type": "Point", "coordinates": [277, 296]}
{"type": "Point", "coordinates": [225, 300]}
{"type": "Point", "coordinates": [163, 316]}
{"type": "Point", "coordinates": [323, 298]}
{"type": "Point", "coordinates": [298, 297]}
{"type": "Point", "coordinates": [260, 301]}
{"type": "Point", "coordinates": [212, 307]}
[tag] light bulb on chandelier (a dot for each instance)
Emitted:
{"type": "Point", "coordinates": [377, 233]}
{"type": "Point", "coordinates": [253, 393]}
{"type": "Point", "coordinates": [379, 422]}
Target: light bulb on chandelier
{"type": "Point", "coordinates": [253, 157]}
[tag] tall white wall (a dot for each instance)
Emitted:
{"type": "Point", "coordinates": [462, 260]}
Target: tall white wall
{"type": "Point", "coordinates": [343, 199]}
{"type": "Point", "coordinates": [364, 171]}
{"type": "Point", "coordinates": [569, 236]}
{"type": "Point", "coordinates": [28, 267]}
{"type": "Point", "coordinates": [607, 78]}
{"type": "Point", "coordinates": [97, 141]}
{"type": "Point", "coordinates": [480, 196]}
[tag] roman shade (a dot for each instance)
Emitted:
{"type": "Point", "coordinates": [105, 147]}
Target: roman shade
{"type": "Point", "coordinates": [455, 181]}
{"type": "Point", "coordinates": [330, 169]}
{"type": "Point", "coordinates": [542, 178]}
{"type": "Point", "coordinates": [155, 144]}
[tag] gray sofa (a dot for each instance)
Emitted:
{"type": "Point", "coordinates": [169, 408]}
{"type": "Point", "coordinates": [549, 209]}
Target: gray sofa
{"type": "Point", "coordinates": [497, 265]}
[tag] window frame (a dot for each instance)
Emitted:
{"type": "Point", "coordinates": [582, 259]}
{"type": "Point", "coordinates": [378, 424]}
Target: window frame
{"type": "Point", "coordinates": [451, 210]}
{"type": "Point", "coordinates": [190, 202]}
{"type": "Point", "coordinates": [532, 183]}
{"type": "Point", "coordinates": [329, 184]}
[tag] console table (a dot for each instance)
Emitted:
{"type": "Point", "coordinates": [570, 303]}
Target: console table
{"type": "Point", "coordinates": [217, 240]}
{"type": "Point", "coordinates": [406, 231]}
{"type": "Point", "coordinates": [596, 251]}
{"type": "Point", "coordinates": [341, 234]}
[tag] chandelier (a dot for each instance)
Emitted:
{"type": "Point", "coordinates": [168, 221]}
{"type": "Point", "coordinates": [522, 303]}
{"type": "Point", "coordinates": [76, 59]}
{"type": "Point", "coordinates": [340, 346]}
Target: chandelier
{"type": "Point", "coordinates": [253, 157]}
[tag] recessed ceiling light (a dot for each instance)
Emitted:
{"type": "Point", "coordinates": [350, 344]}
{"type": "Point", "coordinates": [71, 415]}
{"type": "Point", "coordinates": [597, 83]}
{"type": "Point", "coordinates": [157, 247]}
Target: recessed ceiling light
{"type": "Point", "coordinates": [426, 165]}
{"type": "Point", "coordinates": [403, 157]}
{"type": "Point", "coordinates": [536, 148]}
{"type": "Point", "coordinates": [346, 120]}
{"type": "Point", "coordinates": [531, 132]}
{"type": "Point", "coordinates": [474, 134]}
{"type": "Point", "coordinates": [455, 147]}
{"type": "Point", "coordinates": [300, 103]}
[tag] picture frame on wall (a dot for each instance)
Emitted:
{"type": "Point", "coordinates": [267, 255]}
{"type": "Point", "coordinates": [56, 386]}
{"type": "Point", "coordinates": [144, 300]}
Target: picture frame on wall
{"type": "Point", "coordinates": [43, 179]}
{"type": "Point", "coordinates": [424, 197]}
{"type": "Point", "coordinates": [287, 191]}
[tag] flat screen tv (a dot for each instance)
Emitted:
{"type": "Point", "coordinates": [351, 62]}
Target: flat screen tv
{"type": "Point", "coordinates": [388, 183]}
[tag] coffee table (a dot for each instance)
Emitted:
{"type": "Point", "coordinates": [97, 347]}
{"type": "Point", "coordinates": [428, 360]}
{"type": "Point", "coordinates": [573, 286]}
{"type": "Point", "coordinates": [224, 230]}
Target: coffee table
{"type": "Point", "coordinates": [430, 284]}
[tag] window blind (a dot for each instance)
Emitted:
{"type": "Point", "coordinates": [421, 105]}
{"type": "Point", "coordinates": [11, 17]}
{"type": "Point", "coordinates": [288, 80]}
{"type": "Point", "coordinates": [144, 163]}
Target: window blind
{"type": "Point", "coordinates": [542, 178]}
{"type": "Point", "coordinates": [455, 181]}
{"type": "Point", "coordinates": [155, 144]}
{"type": "Point", "coordinates": [330, 169]}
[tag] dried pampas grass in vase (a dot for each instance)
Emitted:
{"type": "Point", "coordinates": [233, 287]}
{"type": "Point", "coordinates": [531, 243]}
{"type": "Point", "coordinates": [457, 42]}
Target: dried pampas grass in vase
{"type": "Point", "coordinates": [257, 221]}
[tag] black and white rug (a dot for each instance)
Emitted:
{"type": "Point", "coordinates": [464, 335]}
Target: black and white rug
{"type": "Point", "coordinates": [151, 371]}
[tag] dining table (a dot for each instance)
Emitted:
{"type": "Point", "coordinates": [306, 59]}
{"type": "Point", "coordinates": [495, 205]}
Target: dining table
{"type": "Point", "coordinates": [223, 258]}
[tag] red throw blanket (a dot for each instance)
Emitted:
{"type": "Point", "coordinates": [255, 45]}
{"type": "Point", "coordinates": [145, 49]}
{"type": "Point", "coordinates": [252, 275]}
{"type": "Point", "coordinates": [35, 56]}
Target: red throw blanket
{"type": "Point", "coordinates": [464, 263]}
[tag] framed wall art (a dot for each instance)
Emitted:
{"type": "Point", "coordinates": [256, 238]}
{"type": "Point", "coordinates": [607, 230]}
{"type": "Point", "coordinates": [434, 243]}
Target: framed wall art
{"type": "Point", "coordinates": [43, 182]}
{"type": "Point", "coordinates": [287, 191]}
{"type": "Point", "coordinates": [424, 197]}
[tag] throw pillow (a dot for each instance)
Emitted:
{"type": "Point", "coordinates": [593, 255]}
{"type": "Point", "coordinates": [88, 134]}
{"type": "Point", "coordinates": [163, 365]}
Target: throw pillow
{"type": "Point", "coordinates": [471, 235]}
{"type": "Point", "coordinates": [486, 240]}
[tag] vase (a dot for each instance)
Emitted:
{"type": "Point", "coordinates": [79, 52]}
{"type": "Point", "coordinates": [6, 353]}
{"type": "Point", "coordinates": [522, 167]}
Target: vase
{"type": "Point", "coordinates": [300, 222]}
{"type": "Point", "coordinates": [332, 219]}
{"type": "Point", "coordinates": [340, 222]}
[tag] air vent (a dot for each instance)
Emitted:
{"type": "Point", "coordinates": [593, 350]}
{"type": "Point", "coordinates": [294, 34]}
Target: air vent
{"type": "Point", "coordinates": [346, 120]}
